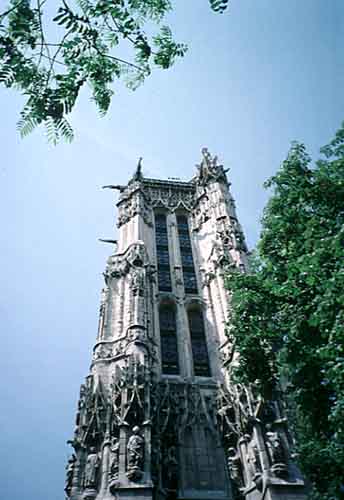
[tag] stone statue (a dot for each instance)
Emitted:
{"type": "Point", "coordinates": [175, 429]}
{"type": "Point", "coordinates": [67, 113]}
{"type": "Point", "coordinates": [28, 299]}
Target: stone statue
{"type": "Point", "coordinates": [235, 467]}
{"type": "Point", "coordinates": [135, 449]}
{"type": "Point", "coordinates": [276, 449]}
{"type": "Point", "coordinates": [69, 474]}
{"type": "Point", "coordinates": [171, 468]}
{"type": "Point", "coordinates": [253, 461]}
{"type": "Point", "coordinates": [114, 459]}
{"type": "Point", "coordinates": [209, 169]}
{"type": "Point", "coordinates": [91, 469]}
{"type": "Point", "coordinates": [138, 281]}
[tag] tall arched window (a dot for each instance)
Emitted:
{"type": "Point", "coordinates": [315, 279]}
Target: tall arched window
{"type": "Point", "coordinates": [163, 257]}
{"type": "Point", "coordinates": [168, 337]}
{"type": "Point", "coordinates": [190, 282]}
{"type": "Point", "coordinates": [199, 344]}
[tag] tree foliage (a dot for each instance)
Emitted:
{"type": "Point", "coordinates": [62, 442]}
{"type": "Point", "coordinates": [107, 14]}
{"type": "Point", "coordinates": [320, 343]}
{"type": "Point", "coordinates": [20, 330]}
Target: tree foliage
{"type": "Point", "coordinates": [288, 311]}
{"type": "Point", "coordinates": [50, 58]}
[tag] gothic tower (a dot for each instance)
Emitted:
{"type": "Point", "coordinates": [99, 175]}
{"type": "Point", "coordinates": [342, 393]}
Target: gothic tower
{"type": "Point", "coordinates": [158, 416]}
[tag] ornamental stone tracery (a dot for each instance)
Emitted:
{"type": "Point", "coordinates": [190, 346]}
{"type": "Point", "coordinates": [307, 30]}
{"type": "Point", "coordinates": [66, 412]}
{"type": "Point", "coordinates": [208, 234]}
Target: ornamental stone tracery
{"type": "Point", "coordinates": [159, 417]}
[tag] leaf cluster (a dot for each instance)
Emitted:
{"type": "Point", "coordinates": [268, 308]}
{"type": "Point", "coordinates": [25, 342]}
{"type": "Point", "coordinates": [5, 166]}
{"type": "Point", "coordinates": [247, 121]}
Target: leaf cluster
{"type": "Point", "coordinates": [95, 42]}
{"type": "Point", "coordinates": [288, 313]}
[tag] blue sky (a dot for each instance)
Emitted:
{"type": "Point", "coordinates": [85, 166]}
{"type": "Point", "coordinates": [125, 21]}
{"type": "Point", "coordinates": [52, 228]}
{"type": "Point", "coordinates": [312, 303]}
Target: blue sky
{"type": "Point", "coordinates": [261, 75]}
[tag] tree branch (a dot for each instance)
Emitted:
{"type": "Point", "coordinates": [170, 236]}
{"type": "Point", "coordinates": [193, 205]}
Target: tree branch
{"type": "Point", "coordinates": [4, 14]}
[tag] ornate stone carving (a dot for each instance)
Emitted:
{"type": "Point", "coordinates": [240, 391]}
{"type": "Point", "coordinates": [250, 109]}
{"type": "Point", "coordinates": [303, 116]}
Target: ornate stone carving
{"type": "Point", "coordinates": [170, 468]}
{"type": "Point", "coordinates": [201, 212]}
{"type": "Point", "coordinates": [235, 467]}
{"type": "Point", "coordinates": [137, 281]}
{"type": "Point", "coordinates": [224, 233]}
{"type": "Point", "coordinates": [119, 265]}
{"type": "Point", "coordinates": [103, 351]}
{"type": "Point", "coordinates": [258, 424]}
{"type": "Point", "coordinates": [253, 461]}
{"type": "Point", "coordinates": [69, 474]}
{"type": "Point", "coordinates": [91, 468]}
{"type": "Point", "coordinates": [171, 200]}
{"type": "Point", "coordinates": [134, 200]}
{"type": "Point", "coordinates": [278, 453]}
{"type": "Point", "coordinates": [109, 350]}
{"type": "Point", "coordinates": [183, 413]}
{"type": "Point", "coordinates": [209, 170]}
{"type": "Point", "coordinates": [114, 462]}
{"type": "Point", "coordinates": [220, 256]}
{"type": "Point", "coordinates": [226, 353]}
{"type": "Point", "coordinates": [135, 455]}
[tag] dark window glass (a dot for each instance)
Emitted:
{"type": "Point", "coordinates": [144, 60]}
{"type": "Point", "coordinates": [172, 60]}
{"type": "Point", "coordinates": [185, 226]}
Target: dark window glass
{"type": "Point", "coordinates": [168, 336]}
{"type": "Point", "coordinates": [187, 260]}
{"type": "Point", "coordinates": [163, 257]}
{"type": "Point", "coordinates": [184, 241]}
{"type": "Point", "coordinates": [190, 281]}
{"type": "Point", "coordinates": [199, 344]}
{"type": "Point", "coordinates": [161, 238]}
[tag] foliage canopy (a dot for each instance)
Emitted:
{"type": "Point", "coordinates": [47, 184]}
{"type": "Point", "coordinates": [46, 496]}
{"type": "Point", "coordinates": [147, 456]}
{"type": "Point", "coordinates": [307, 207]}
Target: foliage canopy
{"type": "Point", "coordinates": [49, 58]}
{"type": "Point", "coordinates": [288, 311]}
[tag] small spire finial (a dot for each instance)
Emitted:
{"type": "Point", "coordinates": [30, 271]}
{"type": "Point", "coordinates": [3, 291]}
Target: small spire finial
{"type": "Point", "coordinates": [138, 173]}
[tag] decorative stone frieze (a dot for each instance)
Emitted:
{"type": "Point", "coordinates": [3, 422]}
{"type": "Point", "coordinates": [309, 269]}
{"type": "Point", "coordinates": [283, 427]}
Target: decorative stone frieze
{"type": "Point", "coordinates": [169, 199]}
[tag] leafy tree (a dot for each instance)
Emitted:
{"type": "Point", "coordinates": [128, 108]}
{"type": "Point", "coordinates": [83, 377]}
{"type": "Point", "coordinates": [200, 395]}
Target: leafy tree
{"type": "Point", "coordinates": [50, 60]}
{"type": "Point", "coordinates": [288, 310]}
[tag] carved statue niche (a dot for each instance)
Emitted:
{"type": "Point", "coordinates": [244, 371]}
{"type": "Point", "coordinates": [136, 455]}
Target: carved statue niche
{"type": "Point", "coordinates": [253, 461]}
{"type": "Point", "coordinates": [137, 255]}
{"type": "Point", "coordinates": [235, 468]}
{"type": "Point", "coordinates": [69, 474]}
{"type": "Point", "coordinates": [278, 452]}
{"type": "Point", "coordinates": [114, 465]}
{"type": "Point", "coordinates": [224, 233]}
{"type": "Point", "coordinates": [137, 282]}
{"type": "Point", "coordinates": [221, 257]}
{"type": "Point", "coordinates": [135, 455]}
{"type": "Point", "coordinates": [91, 476]}
{"type": "Point", "coordinates": [170, 468]}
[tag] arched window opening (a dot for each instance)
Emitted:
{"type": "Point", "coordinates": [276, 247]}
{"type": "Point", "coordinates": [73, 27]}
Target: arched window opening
{"type": "Point", "coordinates": [168, 338]}
{"type": "Point", "coordinates": [163, 257]}
{"type": "Point", "coordinates": [199, 344]}
{"type": "Point", "coordinates": [190, 282]}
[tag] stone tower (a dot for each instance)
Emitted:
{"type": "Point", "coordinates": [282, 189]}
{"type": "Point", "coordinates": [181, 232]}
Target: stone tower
{"type": "Point", "coordinates": [158, 417]}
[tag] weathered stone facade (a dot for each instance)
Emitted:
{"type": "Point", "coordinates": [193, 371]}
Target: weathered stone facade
{"type": "Point", "coordinates": [158, 416]}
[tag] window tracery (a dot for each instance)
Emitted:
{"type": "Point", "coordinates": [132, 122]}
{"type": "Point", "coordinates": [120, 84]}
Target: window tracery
{"type": "Point", "coordinates": [163, 257]}
{"type": "Point", "coordinates": [190, 281]}
{"type": "Point", "coordinates": [168, 338]}
{"type": "Point", "coordinates": [198, 344]}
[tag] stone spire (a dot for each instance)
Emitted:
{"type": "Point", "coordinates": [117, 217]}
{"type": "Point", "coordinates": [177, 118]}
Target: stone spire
{"type": "Point", "coordinates": [137, 177]}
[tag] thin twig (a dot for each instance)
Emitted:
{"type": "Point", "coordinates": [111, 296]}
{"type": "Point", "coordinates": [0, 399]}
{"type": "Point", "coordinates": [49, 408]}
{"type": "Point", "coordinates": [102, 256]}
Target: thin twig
{"type": "Point", "coordinates": [39, 6]}
{"type": "Point", "coordinates": [4, 14]}
{"type": "Point", "coordinates": [56, 54]}
{"type": "Point", "coordinates": [50, 59]}
{"type": "Point", "coordinates": [121, 61]}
